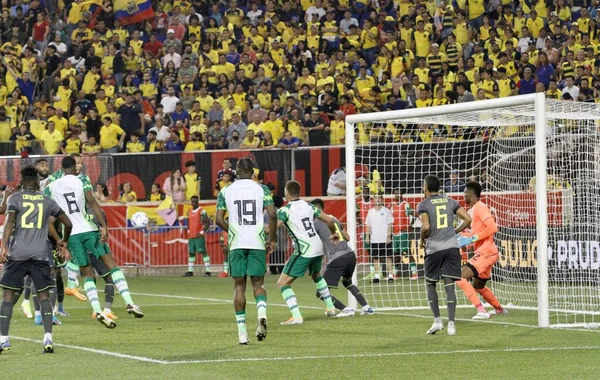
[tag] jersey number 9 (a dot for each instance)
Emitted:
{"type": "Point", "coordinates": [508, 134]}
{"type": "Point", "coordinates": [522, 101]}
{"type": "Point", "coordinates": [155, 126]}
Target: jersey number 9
{"type": "Point", "coordinates": [246, 208]}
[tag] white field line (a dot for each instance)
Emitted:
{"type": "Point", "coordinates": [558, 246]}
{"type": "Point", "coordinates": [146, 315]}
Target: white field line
{"type": "Point", "coordinates": [312, 357]}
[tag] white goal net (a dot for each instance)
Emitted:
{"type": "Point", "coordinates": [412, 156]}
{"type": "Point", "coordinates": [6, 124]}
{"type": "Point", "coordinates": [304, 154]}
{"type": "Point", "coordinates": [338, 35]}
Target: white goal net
{"type": "Point", "coordinates": [495, 143]}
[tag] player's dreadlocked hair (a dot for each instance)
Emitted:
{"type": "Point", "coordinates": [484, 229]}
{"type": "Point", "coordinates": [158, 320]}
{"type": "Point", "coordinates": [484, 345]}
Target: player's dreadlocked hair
{"type": "Point", "coordinates": [245, 167]}
{"type": "Point", "coordinates": [29, 174]}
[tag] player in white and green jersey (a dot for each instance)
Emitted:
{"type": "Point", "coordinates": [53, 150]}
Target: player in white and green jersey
{"type": "Point", "coordinates": [299, 216]}
{"type": "Point", "coordinates": [244, 201]}
{"type": "Point", "coordinates": [69, 193]}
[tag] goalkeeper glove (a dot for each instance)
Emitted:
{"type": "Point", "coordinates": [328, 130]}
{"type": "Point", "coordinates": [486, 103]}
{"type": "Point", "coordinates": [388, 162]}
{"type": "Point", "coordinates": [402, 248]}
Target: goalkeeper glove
{"type": "Point", "coordinates": [465, 240]}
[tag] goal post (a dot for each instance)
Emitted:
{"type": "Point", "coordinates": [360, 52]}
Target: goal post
{"type": "Point", "coordinates": [377, 163]}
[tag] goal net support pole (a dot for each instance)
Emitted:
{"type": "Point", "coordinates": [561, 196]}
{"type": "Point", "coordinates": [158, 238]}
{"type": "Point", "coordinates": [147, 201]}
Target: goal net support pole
{"type": "Point", "coordinates": [537, 101]}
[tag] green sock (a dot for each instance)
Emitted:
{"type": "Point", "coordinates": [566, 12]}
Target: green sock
{"type": "Point", "coordinates": [324, 292]}
{"type": "Point", "coordinates": [206, 260]}
{"type": "Point", "coordinates": [261, 305]}
{"type": "Point", "coordinates": [191, 262]}
{"type": "Point", "coordinates": [226, 267]}
{"type": "Point", "coordinates": [290, 299]}
{"type": "Point", "coordinates": [72, 273]}
{"type": "Point", "coordinates": [92, 294]}
{"type": "Point", "coordinates": [372, 270]}
{"type": "Point", "coordinates": [240, 317]}
{"type": "Point", "coordinates": [121, 284]}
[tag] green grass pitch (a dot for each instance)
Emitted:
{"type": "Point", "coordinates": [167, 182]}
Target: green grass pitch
{"type": "Point", "coordinates": [189, 332]}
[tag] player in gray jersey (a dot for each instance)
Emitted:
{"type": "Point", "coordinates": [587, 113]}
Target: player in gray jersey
{"type": "Point", "coordinates": [26, 254]}
{"type": "Point", "coordinates": [442, 255]}
{"type": "Point", "coordinates": [341, 263]}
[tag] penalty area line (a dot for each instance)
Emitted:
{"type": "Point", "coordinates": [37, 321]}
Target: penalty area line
{"type": "Point", "coordinates": [96, 351]}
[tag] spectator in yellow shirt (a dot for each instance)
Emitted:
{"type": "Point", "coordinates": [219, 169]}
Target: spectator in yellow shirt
{"type": "Point", "coordinates": [338, 129]}
{"type": "Point", "coordinates": [195, 143]}
{"type": "Point", "coordinates": [91, 147]}
{"type": "Point", "coordinates": [51, 139]}
{"type": "Point", "coordinates": [111, 136]}
{"type": "Point", "coordinates": [135, 145]}
{"type": "Point", "coordinates": [127, 195]}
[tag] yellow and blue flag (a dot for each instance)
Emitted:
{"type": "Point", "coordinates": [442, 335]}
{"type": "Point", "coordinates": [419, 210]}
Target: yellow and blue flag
{"type": "Point", "coordinates": [133, 11]}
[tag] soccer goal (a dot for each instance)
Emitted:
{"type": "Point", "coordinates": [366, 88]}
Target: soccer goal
{"type": "Point", "coordinates": [539, 163]}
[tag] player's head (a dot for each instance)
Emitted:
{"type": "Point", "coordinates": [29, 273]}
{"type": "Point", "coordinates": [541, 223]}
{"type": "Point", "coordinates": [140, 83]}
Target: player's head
{"type": "Point", "coordinates": [398, 193]}
{"type": "Point", "coordinates": [431, 185]}
{"type": "Point", "coordinates": [292, 190]}
{"type": "Point", "coordinates": [78, 161]}
{"type": "Point", "coordinates": [69, 165]}
{"type": "Point", "coordinates": [318, 203]}
{"type": "Point", "coordinates": [472, 192]}
{"type": "Point", "coordinates": [42, 167]}
{"type": "Point", "coordinates": [195, 201]}
{"type": "Point", "coordinates": [29, 178]}
{"type": "Point", "coordinates": [245, 168]}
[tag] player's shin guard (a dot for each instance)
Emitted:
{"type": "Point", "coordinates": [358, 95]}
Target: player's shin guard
{"type": "Point", "coordinates": [109, 293]}
{"type": "Point", "coordinates": [290, 299]}
{"type": "Point", "coordinates": [261, 306]}
{"type": "Point", "coordinates": [226, 266]}
{"type": "Point", "coordinates": [121, 284]}
{"type": "Point", "coordinates": [6, 311]}
{"type": "Point", "coordinates": [191, 262]}
{"type": "Point", "coordinates": [450, 298]}
{"type": "Point", "coordinates": [471, 294]}
{"type": "Point", "coordinates": [27, 292]}
{"type": "Point", "coordinates": [72, 274]}
{"type": "Point", "coordinates": [355, 292]}
{"type": "Point", "coordinates": [490, 298]}
{"type": "Point", "coordinates": [206, 260]}
{"type": "Point", "coordinates": [323, 289]}
{"type": "Point", "coordinates": [46, 308]}
{"type": "Point", "coordinates": [92, 294]}
{"type": "Point", "coordinates": [432, 298]}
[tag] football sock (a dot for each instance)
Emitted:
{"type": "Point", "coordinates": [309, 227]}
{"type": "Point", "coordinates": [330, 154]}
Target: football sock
{"type": "Point", "coordinates": [240, 317]}
{"type": "Point", "coordinates": [357, 294]}
{"type": "Point", "coordinates": [121, 283]}
{"type": "Point", "coordinates": [36, 300]}
{"type": "Point", "coordinates": [432, 298]}
{"type": "Point", "coordinates": [372, 269]}
{"type": "Point", "coordinates": [60, 289]}
{"type": "Point", "coordinates": [27, 292]}
{"type": "Point", "coordinates": [191, 262]}
{"type": "Point", "coordinates": [471, 294]}
{"type": "Point", "coordinates": [46, 307]}
{"type": "Point", "coordinates": [489, 296]}
{"type": "Point", "coordinates": [337, 303]}
{"type": "Point", "coordinates": [206, 260]}
{"type": "Point", "coordinates": [109, 293]}
{"type": "Point", "coordinates": [92, 294]}
{"type": "Point", "coordinates": [323, 289]}
{"type": "Point", "coordinates": [290, 299]}
{"type": "Point", "coordinates": [450, 298]}
{"type": "Point", "coordinates": [226, 267]}
{"type": "Point", "coordinates": [53, 297]}
{"type": "Point", "coordinates": [6, 310]}
{"type": "Point", "coordinates": [261, 305]}
{"type": "Point", "coordinates": [72, 274]}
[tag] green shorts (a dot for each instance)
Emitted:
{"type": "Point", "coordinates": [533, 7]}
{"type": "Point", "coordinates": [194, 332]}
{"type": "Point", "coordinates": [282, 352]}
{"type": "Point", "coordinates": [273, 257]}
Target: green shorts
{"type": "Point", "coordinates": [401, 243]}
{"type": "Point", "coordinates": [196, 245]}
{"type": "Point", "coordinates": [247, 262]}
{"type": "Point", "coordinates": [298, 265]}
{"type": "Point", "coordinates": [81, 244]}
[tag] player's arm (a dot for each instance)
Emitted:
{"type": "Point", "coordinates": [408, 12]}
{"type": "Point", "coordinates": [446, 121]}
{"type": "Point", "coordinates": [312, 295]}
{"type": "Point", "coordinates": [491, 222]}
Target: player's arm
{"type": "Point", "coordinates": [52, 230]}
{"type": "Point", "coordinates": [273, 225]}
{"type": "Point", "coordinates": [221, 210]}
{"type": "Point", "coordinates": [9, 225]}
{"type": "Point", "coordinates": [327, 219]}
{"type": "Point", "coordinates": [97, 210]}
{"type": "Point", "coordinates": [7, 193]}
{"type": "Point", "coordinates": [489, 229]}
{"type": "Point", "coordinates": [466, 220]}
{"type": "Point", "coordinates": [425, 228]}
{"type": "Point", "coordinates": [205, 221]}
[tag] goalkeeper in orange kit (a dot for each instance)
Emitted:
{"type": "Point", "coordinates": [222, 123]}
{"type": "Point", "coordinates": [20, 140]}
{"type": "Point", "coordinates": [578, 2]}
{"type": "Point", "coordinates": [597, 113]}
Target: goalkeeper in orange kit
{"type": "Point", "coordinates": [479, 268]}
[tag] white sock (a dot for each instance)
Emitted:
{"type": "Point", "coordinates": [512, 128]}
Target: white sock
{"type": "Point", "coordinates": [3, 338]}
{"type": "Point", "coordinates": [437, 320]}
{"type": "Point", "coordinates": [38, 313]}
{"type": "Point", "coordinates": [377, 275]}
{"type": "Point", "coordinates": [107, 310]}
{"type": "Point", "coordinates": [366, 307]}
{"type": "Point", "coordinates": [48, 336]}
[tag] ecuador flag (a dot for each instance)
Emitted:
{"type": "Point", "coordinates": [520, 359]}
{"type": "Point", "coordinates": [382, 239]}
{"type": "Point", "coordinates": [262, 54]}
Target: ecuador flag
{"type": "Point", "coordinates": [133, 11]}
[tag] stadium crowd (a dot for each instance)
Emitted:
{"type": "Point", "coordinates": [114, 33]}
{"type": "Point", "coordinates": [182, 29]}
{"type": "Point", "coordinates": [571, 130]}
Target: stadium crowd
{"type": "Point", "coordinates": [211, 74]}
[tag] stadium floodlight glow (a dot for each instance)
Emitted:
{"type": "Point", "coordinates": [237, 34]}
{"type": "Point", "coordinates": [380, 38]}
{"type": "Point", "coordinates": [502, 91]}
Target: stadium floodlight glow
{"type": "Point", "coordinates": [538, 160]}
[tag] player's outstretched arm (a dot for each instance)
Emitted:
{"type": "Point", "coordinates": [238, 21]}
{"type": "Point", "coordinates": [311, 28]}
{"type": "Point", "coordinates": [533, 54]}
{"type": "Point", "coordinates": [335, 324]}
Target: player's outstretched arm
{"type": "Point", "coordinates": [466, 220]}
